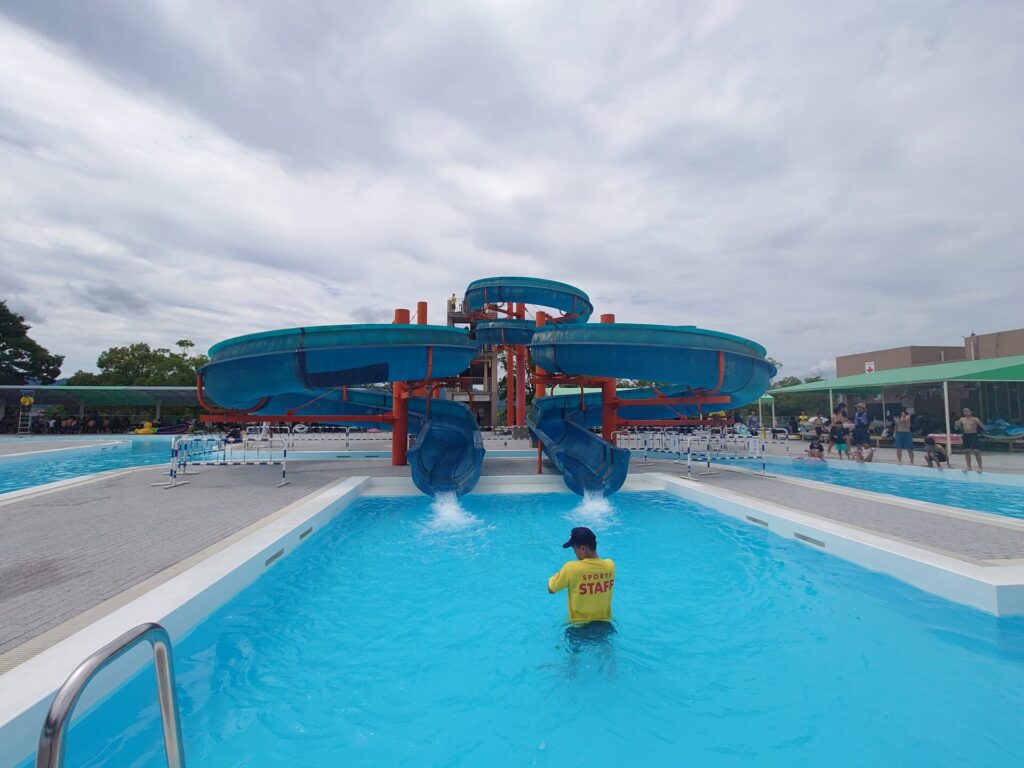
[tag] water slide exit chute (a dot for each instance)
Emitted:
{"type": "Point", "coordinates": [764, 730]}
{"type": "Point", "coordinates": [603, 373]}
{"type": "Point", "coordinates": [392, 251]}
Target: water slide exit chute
{"type": "Point", "coordinates": [318, 371]}
{"type": "Point", "coordinates": [700, 361]}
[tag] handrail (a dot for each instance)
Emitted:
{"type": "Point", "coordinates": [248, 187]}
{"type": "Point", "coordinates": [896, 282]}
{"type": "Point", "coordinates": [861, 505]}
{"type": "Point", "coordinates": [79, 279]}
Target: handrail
{"type": "Point", "coordinates": [50, 753]}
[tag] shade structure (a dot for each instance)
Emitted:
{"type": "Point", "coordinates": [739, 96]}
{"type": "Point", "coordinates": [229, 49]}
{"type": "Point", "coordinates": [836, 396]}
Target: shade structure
{"type": "Point", "coordinates": [994, 369]}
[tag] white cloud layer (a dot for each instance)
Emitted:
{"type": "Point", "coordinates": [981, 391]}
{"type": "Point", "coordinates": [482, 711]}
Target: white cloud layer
{"type": "Point", "coordinates": [822, 178]}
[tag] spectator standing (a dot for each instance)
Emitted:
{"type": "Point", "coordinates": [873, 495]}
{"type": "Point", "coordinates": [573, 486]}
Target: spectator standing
{"type": "Point", "coordinates": [903, 437]}
{"type": "Point", "coordinates": [972, 428]}
{"type": "Point", "coordinates": [753, 425]}
{"type": "Point", "coordinates": [861, 420]}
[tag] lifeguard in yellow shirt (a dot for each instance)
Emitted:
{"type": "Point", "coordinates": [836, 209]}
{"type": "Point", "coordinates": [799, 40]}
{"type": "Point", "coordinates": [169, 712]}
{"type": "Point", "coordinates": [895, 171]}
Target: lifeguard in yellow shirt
{"type": "Point", "coordinates": [589, 579]}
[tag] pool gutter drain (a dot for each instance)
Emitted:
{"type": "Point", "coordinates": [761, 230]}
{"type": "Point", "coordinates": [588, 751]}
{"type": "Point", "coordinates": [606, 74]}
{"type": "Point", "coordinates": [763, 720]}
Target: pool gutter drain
{"type": "Point", "coordinates": [758, 521]}
{"type": "Point", "coordinates": [305, 533]}
{"type": "Point", "coordinates": [809, 540]}
{"type": "Point", "coordinates": [273, 557]}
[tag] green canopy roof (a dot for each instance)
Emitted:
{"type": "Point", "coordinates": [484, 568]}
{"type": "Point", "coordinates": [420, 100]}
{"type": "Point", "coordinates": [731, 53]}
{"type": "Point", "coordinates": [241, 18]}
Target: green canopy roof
{"type": "Point", "coordinates": [994, 369]}
{"type": "Point", "coordinates": [101, 396]}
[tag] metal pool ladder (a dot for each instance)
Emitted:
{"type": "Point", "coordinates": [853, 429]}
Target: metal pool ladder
{"type": "Point", "coordinates": [50, 753]}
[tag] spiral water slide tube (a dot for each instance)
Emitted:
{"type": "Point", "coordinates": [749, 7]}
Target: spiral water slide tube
{"type": "Point", "coordinates": [701, 362]}
{"type": "Point", "coordinates": [318, 371]}
{"type": "Point", "coordinates": [696, 360]}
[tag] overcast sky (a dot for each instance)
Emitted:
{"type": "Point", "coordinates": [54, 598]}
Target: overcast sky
{"type": "Point", "coordinates": [823, 178]}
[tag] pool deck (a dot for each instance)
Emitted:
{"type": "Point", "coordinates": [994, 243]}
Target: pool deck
{"type": "Point", "coordinates": [73, 554]}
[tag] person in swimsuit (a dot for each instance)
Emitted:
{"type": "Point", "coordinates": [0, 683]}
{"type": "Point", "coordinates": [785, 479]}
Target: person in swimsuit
{"type": "Point", "coordinates": [838, 420]}
{"type": "Point", "coordinates": [860, 426]}
{"type": "Point", "coordinates": [935, 454]}
{"type": "Point", "coordinates": [818, 422]}
{"type": "Point", "coordinates": [972, 428]}
{"type": "Point", "coordinates": [837, 438]}
{"type": "Point", "coordinates": [816, 450]}
{"type": "Point", "coordinates": [903, 438]}
{"type": "Point", "coordinates": [861, 456]}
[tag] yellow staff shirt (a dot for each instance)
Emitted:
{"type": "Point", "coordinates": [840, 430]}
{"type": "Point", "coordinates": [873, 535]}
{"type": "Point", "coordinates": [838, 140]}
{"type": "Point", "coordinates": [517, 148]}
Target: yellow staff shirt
{"type": "Point", "coordinates": [590, 583]}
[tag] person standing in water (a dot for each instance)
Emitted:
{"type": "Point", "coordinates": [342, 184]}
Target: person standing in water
{"type": "Point", "coordinates": [903, 438]}
{"type": "Point", "coordinates": [972, 428]}
{"type": "Point", "coordinates": [590, 579]}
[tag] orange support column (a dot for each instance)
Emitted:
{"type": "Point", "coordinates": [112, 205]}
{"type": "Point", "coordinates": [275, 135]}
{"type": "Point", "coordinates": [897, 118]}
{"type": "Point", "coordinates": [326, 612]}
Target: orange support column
{"type": "Point", "coordinates": [400, 409]}
{"type": "Point", "coordinates": [421, 319]}
{"type": "Point", "coordinates": [510, 386]}
{"type": "Point", "coordinates": [521, 373]}
{"type": "Point", "coordinates": [540, 389]}
{"type": "Point", "coordinates": [400, 426]}
{"type": "Point", "coordinates": [609, 408]}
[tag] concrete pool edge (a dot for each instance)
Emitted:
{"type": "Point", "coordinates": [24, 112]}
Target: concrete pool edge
{"type": "Point", "coordinates": [9, 497]}
{"type": "Point", "coordinates": [994, 589]}
{"type": "Point", "coordinates": [887, 468]}
{"type": "Point", "coordinates": [964, 513]}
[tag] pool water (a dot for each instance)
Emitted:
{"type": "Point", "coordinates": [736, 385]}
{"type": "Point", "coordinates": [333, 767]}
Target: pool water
{"type": "Point", "coordinates": [406, 634]}
{"type": "Point", "coordinates": [1004, 500]}
{"type": "Point", "coordinates": [25, 471]}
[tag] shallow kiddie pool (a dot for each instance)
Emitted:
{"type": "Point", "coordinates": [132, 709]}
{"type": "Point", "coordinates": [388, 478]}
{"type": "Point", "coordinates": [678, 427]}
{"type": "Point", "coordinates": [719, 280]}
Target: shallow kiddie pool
{"type": "Point", "coordinates": [412, 633]}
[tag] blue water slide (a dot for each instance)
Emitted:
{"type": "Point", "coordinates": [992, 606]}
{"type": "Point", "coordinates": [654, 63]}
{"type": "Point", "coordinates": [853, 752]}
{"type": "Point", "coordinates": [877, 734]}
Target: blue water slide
{"type": "Point", "coordinates": [316, 372]}
{"type": "Point", "coordinates": [448, 451]}
{"type": "Point", "coordinates": [693, 359]}
{"type": "Point", "coordinates": [505, 331]}
{"type": "Point", "coordinates": [244, 370]}
{"type": "Point", "coordinates": [587, 463]}
{"type": "Point", "coordinates": [569, 299]}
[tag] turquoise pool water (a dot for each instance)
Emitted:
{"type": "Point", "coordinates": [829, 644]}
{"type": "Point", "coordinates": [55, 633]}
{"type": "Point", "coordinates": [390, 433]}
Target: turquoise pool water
{"type": "Point", "coordinates": [18, 471]}
{"type": "Point", "coordinates": [1005, 500]}
{"type": "Point", "coordinates": [406, 634]}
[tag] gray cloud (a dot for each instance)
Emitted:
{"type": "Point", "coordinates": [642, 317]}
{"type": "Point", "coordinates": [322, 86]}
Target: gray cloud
{"type": "Point", "coordinates": [111, 299]}
{"type": "Point", "coordinates": [823, 179]}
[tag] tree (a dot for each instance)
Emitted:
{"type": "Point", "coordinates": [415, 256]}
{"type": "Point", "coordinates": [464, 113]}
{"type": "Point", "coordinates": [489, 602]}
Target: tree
{"type": "Point", "coordinates": [139, 365]}
{"type": "Point", "coordinates": [21, 358]}
{"type": "Point", "coordinates": [793, 404]}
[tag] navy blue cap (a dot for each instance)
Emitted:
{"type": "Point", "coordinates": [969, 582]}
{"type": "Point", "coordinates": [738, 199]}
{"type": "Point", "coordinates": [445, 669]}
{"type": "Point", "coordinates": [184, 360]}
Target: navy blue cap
{"type": "Point", "coordinates": [581, 537]}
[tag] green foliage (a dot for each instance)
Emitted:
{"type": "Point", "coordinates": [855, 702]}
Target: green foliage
{"type": "Point", "coordinates": [792, 405]}
{"type": "Point", "coordinates": [139, 365]}
{"type": "Point", "coordinates": [22, 358]}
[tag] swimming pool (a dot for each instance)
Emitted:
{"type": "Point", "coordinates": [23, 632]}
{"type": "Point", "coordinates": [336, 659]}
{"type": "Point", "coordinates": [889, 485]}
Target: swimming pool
{"type": "Point", "coordinates": [406, 632]}
{"type": "Point", "coordinates": [19, 471]}
{"type": "Point", "coordinates": [996, 498]}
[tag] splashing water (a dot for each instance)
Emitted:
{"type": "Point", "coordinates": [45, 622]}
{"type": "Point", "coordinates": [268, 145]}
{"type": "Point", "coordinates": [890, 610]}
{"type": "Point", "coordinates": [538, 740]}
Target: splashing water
{"type": "Point", "coordinates": [593, 507]}
{"type": "Point", "coordinates": [449, 514]}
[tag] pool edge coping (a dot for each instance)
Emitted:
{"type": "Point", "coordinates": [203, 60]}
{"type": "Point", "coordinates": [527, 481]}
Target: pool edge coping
{"type": "Point", "coordinates": [996, 589]}
{"type": "Point", "coordinates": [948, 510]}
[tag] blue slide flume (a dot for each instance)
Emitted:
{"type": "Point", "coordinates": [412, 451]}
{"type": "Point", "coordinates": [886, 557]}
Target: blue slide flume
{"type": "Point", "coordinates": [448, 451]}
{"type": "Point", "coordinates": [698, 361]}
{"type": "Point", "coordinates": [317, 371]}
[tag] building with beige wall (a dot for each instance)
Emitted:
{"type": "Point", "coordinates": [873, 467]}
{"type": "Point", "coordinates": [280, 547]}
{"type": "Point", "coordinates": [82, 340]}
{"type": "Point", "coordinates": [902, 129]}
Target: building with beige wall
{"type": "Point", "coordinates": [975, 347]}
{"type": "Point", "coordinates": [897, 357]}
